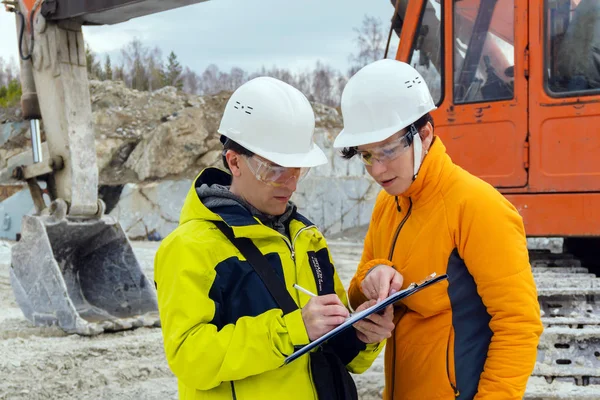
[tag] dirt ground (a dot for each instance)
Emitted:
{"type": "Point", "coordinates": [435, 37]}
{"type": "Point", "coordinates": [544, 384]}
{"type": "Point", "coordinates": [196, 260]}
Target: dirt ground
{"type": "Point", "coordinates": [45, 363]}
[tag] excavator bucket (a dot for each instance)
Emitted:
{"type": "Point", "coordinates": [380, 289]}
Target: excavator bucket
{"type": "Point", "coordinates": [80, 275]}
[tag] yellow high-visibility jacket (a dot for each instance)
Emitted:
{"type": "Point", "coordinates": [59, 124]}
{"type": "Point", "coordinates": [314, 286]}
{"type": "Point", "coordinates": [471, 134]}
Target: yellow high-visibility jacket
{"type": "Point", "coordinates": [224, 335]}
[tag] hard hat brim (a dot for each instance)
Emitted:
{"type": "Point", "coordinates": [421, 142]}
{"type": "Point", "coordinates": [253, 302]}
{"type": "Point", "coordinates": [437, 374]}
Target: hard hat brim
{"type": "Point", "coordinates": [352, 139]}
{"type": "Point", "coordinates": [312, 158]}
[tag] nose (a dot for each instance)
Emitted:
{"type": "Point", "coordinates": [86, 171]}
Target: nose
{"type": "Point", "coordinates": [377, 168]}
{"type": "Point", "coordinates": [291, 183]}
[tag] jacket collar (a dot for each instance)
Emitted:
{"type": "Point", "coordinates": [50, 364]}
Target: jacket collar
{"type": "Point", "coordinates": [238, 218]}
{"type": "Point", "coordinates": [435, 164]}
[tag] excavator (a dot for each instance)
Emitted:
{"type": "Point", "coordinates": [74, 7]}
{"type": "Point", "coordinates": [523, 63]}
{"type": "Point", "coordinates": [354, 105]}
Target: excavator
{"type": "Point", "coordinates": [517, 85]}
{"type": "Point", "coordinates": [73, 265]}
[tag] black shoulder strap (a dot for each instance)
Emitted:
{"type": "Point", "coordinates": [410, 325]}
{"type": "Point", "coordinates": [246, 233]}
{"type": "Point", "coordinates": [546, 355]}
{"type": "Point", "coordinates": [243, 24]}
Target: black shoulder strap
{"type": "Point", "coordinates": [262, 267]}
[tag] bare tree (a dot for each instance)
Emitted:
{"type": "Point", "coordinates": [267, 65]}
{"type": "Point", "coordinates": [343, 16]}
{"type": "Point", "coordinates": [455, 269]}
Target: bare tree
{"type": "Point", "coordinates": [11, 70]}
{"type": "Point", "coordinates": [191, 81]}
{"type": "Point", "coordinates": [156, 72]}
{"type": "Point", "coordinates": [322, 84]}
{"type": "Point", "coordinates": [304, 84]}
{"type": "Point", "coordinates": [119, 73]}
{"type": "Point", "coordinates": [135, 54]}
{"type": "Point", "coordinates": [237, 77]}
{"type": "Point", "coordinates": [94, 68]}
{"type": "Point", "coordinates": [340, 84]}
{"type": "Point", "coordinates": [2, 73]}
{"type": "Point", "coordinates": [209, 80]}
{"type": "Point", "coordinates": [371, 41]}
{"type": "Point", "coordinates": [108, 71]}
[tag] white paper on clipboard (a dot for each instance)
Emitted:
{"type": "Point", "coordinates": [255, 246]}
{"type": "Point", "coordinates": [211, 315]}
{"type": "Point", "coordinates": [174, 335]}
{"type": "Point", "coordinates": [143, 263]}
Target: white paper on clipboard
{"type": "Point", "coordinates": [411, 289]}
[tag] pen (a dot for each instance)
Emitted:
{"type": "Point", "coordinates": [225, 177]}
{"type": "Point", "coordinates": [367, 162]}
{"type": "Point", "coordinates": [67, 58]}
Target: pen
{"type": "Point", "coordinates": [300, 288]}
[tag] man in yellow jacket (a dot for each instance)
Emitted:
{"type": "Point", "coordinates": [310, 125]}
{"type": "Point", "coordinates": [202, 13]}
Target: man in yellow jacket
{"type": "Point", "coordinates": [475, 335]}
{"type": "Point", "coordinates": [226, 335]}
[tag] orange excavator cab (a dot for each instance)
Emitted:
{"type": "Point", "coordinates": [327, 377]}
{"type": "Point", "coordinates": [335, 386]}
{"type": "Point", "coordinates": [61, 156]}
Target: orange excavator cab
{"type": "Point", "coordinates": [517, 84]}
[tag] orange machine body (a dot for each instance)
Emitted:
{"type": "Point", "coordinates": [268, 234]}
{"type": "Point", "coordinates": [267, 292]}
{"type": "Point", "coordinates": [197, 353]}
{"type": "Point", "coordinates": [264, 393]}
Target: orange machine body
{"type": "Point", "coordinates": [539, 147]}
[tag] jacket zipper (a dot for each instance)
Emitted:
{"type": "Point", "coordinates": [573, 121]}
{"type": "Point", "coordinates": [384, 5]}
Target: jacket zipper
{"type": "Point", "coordinates": [291, 244]}
{"type": "Point", "coordinates": [393, 247]}
{"type": "Point", "coordinates": [233, 391]}
{"type": "Point", "coordinates": [399, 229]}
{"type": "Point", "coordinates": [454, 389]}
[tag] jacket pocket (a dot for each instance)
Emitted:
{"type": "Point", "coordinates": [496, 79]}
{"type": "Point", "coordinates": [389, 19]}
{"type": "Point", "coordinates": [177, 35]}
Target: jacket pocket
{"type": "Point", "coordinates": [450, 365]}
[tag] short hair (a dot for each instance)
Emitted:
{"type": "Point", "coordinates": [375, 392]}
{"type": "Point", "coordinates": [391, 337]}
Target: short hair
{"type": "Point", "coordinates": [229, 144]}
{"type": "Point", "coordinates": [349, 152]}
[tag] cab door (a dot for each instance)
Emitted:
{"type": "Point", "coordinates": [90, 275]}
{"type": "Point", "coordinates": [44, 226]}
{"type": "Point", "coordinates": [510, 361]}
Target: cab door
{"type": "Point", "coordinates": [565, 96]}
{"type": "Point", "coordinates": [473, 55]}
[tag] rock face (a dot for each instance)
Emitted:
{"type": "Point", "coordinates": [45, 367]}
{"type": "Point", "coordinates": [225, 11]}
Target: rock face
{"type": "Point", "coordinates": [142, 136]}
{"type": "Point", "coordinates": [151, 211]}
{"type": "Point", "coordinates": [150, 145]}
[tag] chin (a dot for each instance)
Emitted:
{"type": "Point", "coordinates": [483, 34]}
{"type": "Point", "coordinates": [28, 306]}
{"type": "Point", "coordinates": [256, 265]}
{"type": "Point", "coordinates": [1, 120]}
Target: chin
{"type": "Point", "coordinates": [395, 190]}
{"type": "Point", "coordinates": [277, 209]}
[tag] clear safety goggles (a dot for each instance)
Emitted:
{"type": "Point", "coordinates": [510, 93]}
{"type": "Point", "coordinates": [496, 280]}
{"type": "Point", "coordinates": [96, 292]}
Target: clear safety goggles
{"type": "Point", "coordinates": [387, 152]}
{"type": "Point", "coordinates": [274, 175]}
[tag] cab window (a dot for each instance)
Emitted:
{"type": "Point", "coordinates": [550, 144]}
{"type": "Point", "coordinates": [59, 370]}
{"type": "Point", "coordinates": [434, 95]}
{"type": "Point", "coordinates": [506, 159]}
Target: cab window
{"type": "Point", "coordinates": [484, 53]}
{"type": "Point", "coordinates": [572, 47]}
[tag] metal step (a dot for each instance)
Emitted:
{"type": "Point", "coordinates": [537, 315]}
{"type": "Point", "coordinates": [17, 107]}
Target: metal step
{"type": "Point", "coordinates": [559, 270]}
{"type": "Point", "coordinates": [569, 302]}
{"type": "Point", "coordinates": [559, 259]}
{"type": "Point", "coordinates": [574, 281]}
{"type": "Point", "coordinates": [568, 353]}
{"type": "Point", "coordinates": [592, 321]}
{"type": "Point", "coordinates": [538, 388]}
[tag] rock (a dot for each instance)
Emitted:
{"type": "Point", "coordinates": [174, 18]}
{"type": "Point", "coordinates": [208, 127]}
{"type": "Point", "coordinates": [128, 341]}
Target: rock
{"type": "Point", "coordinates": [155, 143]}
{"type": "Point", "coordinates": [10, 114]}
{"type": "Point", "coordinates": [174, 148]}
{"type": "Point", "coordinates": [151, 210]}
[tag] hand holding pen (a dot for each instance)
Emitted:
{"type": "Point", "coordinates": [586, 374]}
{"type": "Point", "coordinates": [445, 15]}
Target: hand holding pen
{"type": "Point", "coordinates": [322, 313]}
{"type": "Point", "coordinates": [372, 329]}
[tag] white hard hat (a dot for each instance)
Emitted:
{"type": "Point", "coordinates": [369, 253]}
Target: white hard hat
{"type": "Point", "coordinates": [381, 99]}
{"type": "Point", "coordinates": [275, 121]}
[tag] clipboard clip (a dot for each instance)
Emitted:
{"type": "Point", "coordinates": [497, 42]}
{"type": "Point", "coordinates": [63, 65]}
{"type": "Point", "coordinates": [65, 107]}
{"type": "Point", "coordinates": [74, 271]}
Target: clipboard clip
{"type": "Point", "coordinates": [424, 281]}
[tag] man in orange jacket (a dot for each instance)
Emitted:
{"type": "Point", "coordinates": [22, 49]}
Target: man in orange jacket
{"type": "Point", "coordinates": [475, 335]}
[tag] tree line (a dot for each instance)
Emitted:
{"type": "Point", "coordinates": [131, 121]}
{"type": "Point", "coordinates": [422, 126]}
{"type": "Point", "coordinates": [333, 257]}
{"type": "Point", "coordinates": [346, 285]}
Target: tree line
{"type": "Point", "coordinates": [145, 68]}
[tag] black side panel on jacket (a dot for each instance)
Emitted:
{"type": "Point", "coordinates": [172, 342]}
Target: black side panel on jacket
{"type": "Point", "coordinates": [472, 333]}
{"type": "Point", "coordinates": [238, 291]}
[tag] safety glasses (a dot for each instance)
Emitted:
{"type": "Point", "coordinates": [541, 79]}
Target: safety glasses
{"type": "Point", "coordinates": [387, 152]}
{"type": "Point", "coordinates": [274, 175]}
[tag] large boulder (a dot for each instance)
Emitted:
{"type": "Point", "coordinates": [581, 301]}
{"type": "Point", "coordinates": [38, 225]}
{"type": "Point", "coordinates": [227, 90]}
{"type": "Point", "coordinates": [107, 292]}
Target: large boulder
{"type": "Point", "coordinates": [146, 136]}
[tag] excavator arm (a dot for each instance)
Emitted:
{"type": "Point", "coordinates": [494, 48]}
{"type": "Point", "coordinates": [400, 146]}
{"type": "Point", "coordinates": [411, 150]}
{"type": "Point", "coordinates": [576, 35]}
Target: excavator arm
{"type": "Point", "coordinates": [73, 266]}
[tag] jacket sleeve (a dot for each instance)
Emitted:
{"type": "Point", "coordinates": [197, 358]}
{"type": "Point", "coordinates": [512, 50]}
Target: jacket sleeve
{"type": "Point", "coordinates": [367, 262]}
{"type": "Point", "coordinates": [199, 354]}
{"type": "Point", "coordinates": [491, 240]}
{"type": "Point", "coordinates": [355, 354]}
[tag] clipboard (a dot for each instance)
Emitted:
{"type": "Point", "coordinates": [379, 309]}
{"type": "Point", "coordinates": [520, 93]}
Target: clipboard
{"type": "Point", "coordinates": [411, 289]}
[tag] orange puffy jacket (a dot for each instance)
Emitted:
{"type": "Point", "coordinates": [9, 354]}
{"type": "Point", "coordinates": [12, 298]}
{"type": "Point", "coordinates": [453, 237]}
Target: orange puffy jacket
{"type": "Point", "coordinates": [476, 334]}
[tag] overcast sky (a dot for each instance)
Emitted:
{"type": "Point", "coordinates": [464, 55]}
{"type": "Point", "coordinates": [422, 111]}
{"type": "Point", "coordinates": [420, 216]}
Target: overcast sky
{"type": "Point", "coordinates": [248, 33]}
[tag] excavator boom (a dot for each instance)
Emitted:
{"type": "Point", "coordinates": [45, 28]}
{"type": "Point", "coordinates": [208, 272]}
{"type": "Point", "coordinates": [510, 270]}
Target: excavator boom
{"type": "Point", "coordinates": [106, 12]}
{"type": "Point", "coordinates": [73, 266]}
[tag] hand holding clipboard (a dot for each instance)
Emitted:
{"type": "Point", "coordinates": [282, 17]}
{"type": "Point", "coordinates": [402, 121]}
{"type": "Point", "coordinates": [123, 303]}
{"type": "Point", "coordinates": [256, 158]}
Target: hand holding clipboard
{"type": "Point", "coordinates": [411, 289]}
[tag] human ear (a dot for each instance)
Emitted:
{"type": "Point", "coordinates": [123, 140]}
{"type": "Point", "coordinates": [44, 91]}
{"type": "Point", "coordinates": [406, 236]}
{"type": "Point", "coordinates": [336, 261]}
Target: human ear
{"type": "Point", "coordinates": [233, 160]}
{"type": "Point", "coordinates": [426, 134]}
